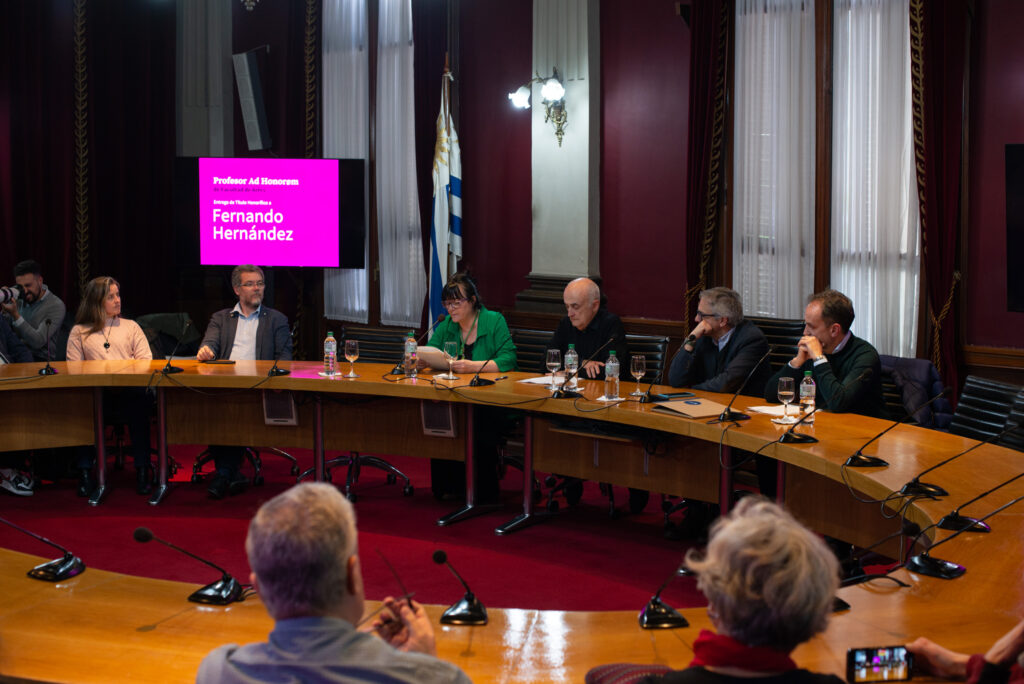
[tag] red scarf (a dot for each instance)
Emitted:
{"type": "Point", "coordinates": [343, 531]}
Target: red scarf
{"type": "Point", "coordinates": [718, 650]}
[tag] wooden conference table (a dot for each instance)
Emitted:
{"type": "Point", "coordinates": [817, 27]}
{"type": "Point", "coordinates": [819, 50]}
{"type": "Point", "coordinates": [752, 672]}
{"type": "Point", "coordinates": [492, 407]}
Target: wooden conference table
{"type": "Point", "coordinates": [678, 456]}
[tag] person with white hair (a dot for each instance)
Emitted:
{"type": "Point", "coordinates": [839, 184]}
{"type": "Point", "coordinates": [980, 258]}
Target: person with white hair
{"type": "Point", "coordinates": [303, 553]}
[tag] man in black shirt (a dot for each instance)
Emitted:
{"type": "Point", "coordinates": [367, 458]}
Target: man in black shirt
{"type": "Point", "coordinates": [589, 326]}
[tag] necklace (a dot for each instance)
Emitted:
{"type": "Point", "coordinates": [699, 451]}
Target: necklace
{"type": "Point", "coordinates": [465, 335]}
{"type": "Point", "coordinates": [106, 335]}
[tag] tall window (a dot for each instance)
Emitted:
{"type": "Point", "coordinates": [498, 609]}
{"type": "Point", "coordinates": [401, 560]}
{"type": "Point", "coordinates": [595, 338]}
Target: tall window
{"type": "Point", "coordinates": [875, 218]}
{"type": "Point", "coordinates": [773, 199]}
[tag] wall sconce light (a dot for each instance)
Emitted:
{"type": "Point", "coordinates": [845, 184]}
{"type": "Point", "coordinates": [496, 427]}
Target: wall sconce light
{"type": "Point", "coordinates": [552, 92]}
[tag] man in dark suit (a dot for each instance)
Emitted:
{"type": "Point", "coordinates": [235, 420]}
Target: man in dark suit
{"type": "Point", "coordinates": [722, 349]}
{"type": "Point", "coordinates": [249, 331]}
{"type": "Point", "coordinates": [12, 349]}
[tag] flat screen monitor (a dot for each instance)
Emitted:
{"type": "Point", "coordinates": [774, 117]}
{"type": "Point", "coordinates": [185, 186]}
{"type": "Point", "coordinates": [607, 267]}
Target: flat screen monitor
{"type": "Point", "coordinates": [277, 212]}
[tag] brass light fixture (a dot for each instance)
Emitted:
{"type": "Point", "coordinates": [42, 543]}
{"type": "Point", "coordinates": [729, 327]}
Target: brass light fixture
{"type": "Point", "coordinates": [552, 92]}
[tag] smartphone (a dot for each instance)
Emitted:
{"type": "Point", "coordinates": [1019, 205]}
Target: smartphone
{"type": "Point", "coordinates": [879, 664]}
{"type": "Point", "coordinates": [219, 362]}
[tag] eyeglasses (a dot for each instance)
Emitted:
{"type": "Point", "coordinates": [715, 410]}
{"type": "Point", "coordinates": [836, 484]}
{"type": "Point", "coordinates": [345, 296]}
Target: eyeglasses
{"type": "Point", "coordinates": [257, 284]}
{"type": "Point", "coordinates": [701, 315]}
{"type": "Point", "coordinates": [452, 303]}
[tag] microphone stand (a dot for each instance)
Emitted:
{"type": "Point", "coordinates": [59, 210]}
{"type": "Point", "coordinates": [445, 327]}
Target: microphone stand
{"type": "Point", "coordinates": [730, 416]}
{"type": "Point", "coordinates": [399, 369]}
{"type": "Point", "coordinates": [274, 370]}
{"type": "Point", "coordinates": [56, 570]}
{"type": "Point", "coordinates": [860, 460]}
{"type": "Point", "coordinates": [564, 392]}
{"type": "Point", "coordinates": [47, 369]}
{"type": "Point", "coordinates": [955, 521]}
{"type": "Point", "coordinates": [926, 564]}
{"type": "Point", "coordinates": [790, 437]}
{"type": "Point", "coordinates": [220, 593]}
{"type": "Point", "coordinates": [917, 488]}
{"type": "Point", "coordinates": [169, 369]}
{"type": "Point", "coordinates": [659, 615]}
{"type": "Point", "coordinates": [466, 611]}
{"type": "Point", "coordinates": [477, 381]}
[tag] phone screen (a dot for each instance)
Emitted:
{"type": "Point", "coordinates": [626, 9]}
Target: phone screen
{"type": "Point", "coordinates": [879, 664]}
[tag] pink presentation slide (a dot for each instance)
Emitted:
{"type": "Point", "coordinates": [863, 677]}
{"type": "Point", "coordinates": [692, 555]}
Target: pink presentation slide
{"type": "Point", "coordinates": [269, 212]}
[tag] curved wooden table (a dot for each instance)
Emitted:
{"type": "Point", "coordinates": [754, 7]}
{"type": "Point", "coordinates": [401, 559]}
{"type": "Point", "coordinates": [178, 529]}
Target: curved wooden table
{"type": "Point", "coordinates": [966, 614]}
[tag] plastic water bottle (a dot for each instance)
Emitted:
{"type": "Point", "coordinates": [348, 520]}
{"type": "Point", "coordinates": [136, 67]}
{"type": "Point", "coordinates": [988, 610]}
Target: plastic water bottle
{"type": "Point", "coordinates": [807, 391]}
{"type": "Point", "coordinates": [409, 361]}
{"type": "Point", "coordinates": [330, 354]}
{"type": "Point", "coordinates": [572, 362]}
{"type": "Point", "coordinates": [611, 377]}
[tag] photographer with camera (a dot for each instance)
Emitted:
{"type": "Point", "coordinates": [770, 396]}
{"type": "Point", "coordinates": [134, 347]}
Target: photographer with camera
{"type": "Point", "coordinates": [29, 313]}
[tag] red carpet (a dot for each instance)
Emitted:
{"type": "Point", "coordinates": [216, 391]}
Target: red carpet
{"type": "Point", "coordinates": [580, 560]}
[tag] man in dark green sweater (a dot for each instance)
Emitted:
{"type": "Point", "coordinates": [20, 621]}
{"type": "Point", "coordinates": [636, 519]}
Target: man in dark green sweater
{"type": "Point", "coordinates": [845, 368]}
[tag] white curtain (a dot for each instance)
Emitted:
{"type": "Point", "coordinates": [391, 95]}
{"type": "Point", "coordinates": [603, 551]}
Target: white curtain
{"type": "Point", "coordinates": [773, 189]}
{"type": "Point", "coordinates": [875, 219]}
{"type": "Point", "coordinates": [403, 280]}
{"type": "Point", "coordinates": [346, 75]}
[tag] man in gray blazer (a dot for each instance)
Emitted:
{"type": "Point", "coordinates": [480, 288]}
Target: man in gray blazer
{"type": "Point", "coordinates": [247, 332]}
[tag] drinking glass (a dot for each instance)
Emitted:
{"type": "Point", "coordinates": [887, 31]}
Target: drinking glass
{"type": "Point", "coordinates": [637, 367]}
{"type": "Point", "coordinates": [351, 354]}
{"type": "Point", "coordinates": [451, 350]}
{"type": "Point", "coordinates": [786, 394]}
{"type": "Point", "coordinates": [554, 362]}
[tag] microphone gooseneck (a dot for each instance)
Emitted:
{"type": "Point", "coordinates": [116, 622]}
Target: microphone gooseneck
{"type": "Point", "coordinates": [860, 460]}
{"type": "Point", "coordinates": [468, 610]}
{"type": "Point", "coordinates": [169, 369]}
{"type": "Point", "coordinates": [477, 381]}
{"type": "Point", "coordinates": [659, 615]}
{"type": "Point", "coordinates": [730, 416]}
{"type": "Point", "coordinates": [399, 369]}
{"type": "Point", "coordinates": [48, 369]}
{"type": "Point", "coordinates": [274, 370]}
{"type": "Point", "coordinates": [564, 392]}
{"type": "Point", "coordinates": [57, 570]}
{"type": "Point", "coordinates": [220, 593]}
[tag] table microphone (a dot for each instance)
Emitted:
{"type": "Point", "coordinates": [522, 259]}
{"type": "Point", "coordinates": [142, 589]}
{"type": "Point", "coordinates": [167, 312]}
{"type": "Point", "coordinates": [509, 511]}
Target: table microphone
{"type": "Point", "coordinates": [659, 615]}
{"type": "Point", "coordinates": [730, 416]}
{"type": "Point", "coordinates": [955, 521]}
{"type": "Point", "coordinates": [169, 369]}
{"type": "Point", "coordinates": [48, 369]}
{"type": "Point", "coordinates": [563, 392]}
{"type": "Point", "coordinates": [399, 368]}
{"type": "Point", "coordinates": [917, 488]}
{"type": "Point", "coordinates": [925, 564]}
{"type": "Point", "coordinates": [791, 437]}
{"type": "Point", "coordinates": [55, 570]}
{"type": "Point", "coordinates": [468, 610]}
{"type": "Point", "coordinates": [274, 370]}
{"type": "Point", "coordinates": [907, 528]}
{"type": "Point", "coordinates": [477, 381]}
{"type": "Point", "coordinates": [220, 593]}
{"type": "Point", "coordinates": [859, 460]}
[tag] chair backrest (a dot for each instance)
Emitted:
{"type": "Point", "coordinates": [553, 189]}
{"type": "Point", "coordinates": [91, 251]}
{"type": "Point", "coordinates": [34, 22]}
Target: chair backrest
{"type": "Point", "coordinates": [531, 348]}
{"type": "Point", "coordinates": [1014, 438]}
{"type": "Point", "coordinates": [783, 334]}
{"type": "Point", "coordinates": [165, 330]}
{"type": "Point", "coordinates": [376, 345]}
{"type": "Point", "coordinates": [655, 351]}
{"type": "Point", "coordinates": [983, 408]}
{"type": "Point", "coordinates": [908, 384]}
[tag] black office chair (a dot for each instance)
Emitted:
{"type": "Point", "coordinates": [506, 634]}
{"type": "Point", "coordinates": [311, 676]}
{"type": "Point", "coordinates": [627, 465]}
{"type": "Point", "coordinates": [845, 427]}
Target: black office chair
{"type": "Point", "coordinates": [984, 408]}
{"type": "Point", "coordinates": [376, 345]}
{"type": "Point", "coordinates": [783, 334]}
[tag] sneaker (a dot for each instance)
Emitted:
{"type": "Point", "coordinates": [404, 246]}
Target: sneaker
{"type": "Point", "coordinates": [15, 482]}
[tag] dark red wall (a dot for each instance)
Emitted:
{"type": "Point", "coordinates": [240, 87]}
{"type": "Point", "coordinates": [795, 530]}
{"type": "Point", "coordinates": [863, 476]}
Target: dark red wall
{"type": "Point", "coordinates": [997, 118]}
{"type": "Point", "coordinates": [496, 58]}
{"type": "Point", "coordinates": [645, 59]}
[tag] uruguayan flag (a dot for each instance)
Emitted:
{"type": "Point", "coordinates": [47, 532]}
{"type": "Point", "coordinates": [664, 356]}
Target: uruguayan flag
{"type": "Point", "coordinates": [446, 217]}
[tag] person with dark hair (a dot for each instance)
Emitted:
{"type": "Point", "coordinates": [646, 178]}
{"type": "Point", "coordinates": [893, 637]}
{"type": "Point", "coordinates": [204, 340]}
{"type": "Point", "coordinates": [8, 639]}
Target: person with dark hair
{"type": "Point", "coordinates": [484, 344]}
{"type": "Point", "coordinates": [248, 331]}
{"type": "Point", "coordinates": [303, 552]}
{"type": "Point", "coordinates": [30, 313]}
{"type": "Point", "coordinates": [101, 334]}
{"type": "Point", "coordinates": [770, 583]}
{"type": "Point", "coordinates": [845, 368]}
{"type": "Point", "coordinates": [722, 349]}
{"type": "Point", "coordinates": [588, 326]}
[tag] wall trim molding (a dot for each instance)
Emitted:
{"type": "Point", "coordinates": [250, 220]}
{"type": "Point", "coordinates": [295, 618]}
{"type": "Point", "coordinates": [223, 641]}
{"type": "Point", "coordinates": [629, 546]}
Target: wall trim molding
{"type": "Point", "coordinates": [993, 357]}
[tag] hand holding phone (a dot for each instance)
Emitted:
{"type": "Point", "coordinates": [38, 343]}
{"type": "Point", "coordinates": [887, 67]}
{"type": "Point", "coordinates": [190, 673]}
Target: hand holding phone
{"type": "Point", "coordinates": [879, 664]}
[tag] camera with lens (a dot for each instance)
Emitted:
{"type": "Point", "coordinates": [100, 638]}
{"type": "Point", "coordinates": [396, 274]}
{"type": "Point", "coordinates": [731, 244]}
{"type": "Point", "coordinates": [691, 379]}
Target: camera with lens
{"type": "Point", "coordinates": [9, 294]}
